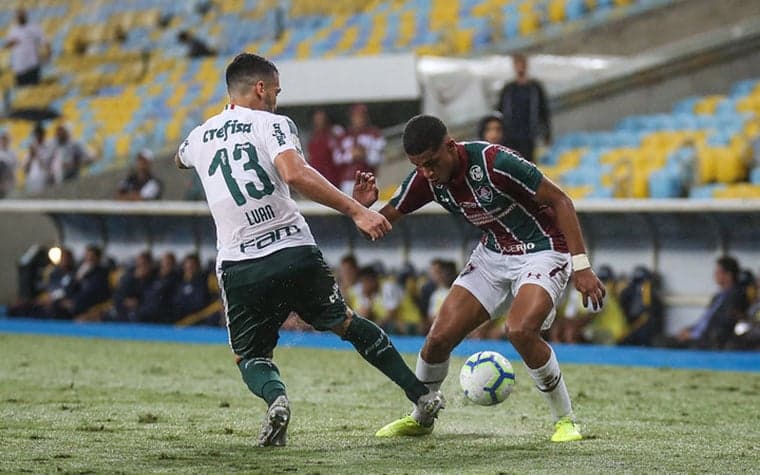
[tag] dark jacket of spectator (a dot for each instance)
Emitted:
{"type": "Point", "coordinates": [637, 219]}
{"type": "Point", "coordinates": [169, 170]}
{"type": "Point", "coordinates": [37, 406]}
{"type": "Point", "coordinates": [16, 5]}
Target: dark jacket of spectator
{"type": "Point", "coordinates": [196, 48]}
{"type": "Point", "coordinates": [525, 109]}
{"type": "Point", "coordinates": [158, 296]}
{"type": "Point", "coordinates": [90, 288]}
{"type": "Point", "coordinates": [130, 294]}
{"type": "Point", "coordinates": [643, 309]}
{"type": "Point", "coordinates": [140, 184]}
{"type": "Point", "coordinates": [192, 293]}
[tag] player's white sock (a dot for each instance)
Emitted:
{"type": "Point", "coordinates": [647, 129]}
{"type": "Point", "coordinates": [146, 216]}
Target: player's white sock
{"type": "Point", "coordinates": [549, 381]}
{"type": "Point", "coordinates": [432, 376]}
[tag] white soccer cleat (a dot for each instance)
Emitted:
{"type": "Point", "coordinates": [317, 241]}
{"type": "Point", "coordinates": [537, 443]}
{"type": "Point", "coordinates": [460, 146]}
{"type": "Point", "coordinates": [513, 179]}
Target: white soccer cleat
{"type": "Point", "coordinates": [428, 406]}
{"type": "Point", "coordinates": [274, 429]}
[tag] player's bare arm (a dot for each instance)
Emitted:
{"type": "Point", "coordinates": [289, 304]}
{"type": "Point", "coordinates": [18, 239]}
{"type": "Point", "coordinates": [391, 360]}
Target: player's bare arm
{"type": "Point", "coordinates": [585, 280]}
{"type": "Point", "coordinates": [308, 182]}
{"type": "Point", "coordinates": [366, 192]}
{"type": "Point", "coordinates": [365, 188]}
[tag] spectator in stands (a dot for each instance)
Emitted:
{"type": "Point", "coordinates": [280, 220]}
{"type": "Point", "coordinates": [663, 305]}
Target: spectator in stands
{"type": "Point", "coordinates": [323, 146]}
{"type": "Point", "coordinates": [129, 299]}
{"type": "Point", "coordinates": [402, 315]}
{"type": "Point", "coordinates": [716, 325]}
{"type": "Point", "coordinates": [369, 301]}
{"type": "Point", "coordinates": [525, 108]}
{"type": "Point", "coordinates": [60, 284]}
{"type": "Point", "coordinates": [361, 148]}
{"type": "Point", "coordinates": [140, 184]}
{"type": "Point", "coordinates": [643, 308]}
{"type": "Point", "coordinates": [68, 156]}
{"type": "Point", "coordinates": [91, 286]}
{"type": "Point", "coordinates": [7, 165]}
{"type": "Point", "coordinates": [348, 279]}
{"type": "Point", "coordinates": [159, 294]}
{"type": "Point", "coordinates": [57, 284]}
{"type": "Point", "coordinates": [443, 274]}
{"type": "Point", "coordinates": [577, 324]}
{"type": "Point", "coordinates": [38, 160]}
{"type": "Point", "coordinates": [192, 293]}
{"type": "Point", "coordinates": [428, 286]}
{"type": "Point", "coordinates": [196, 47]}
{"type": "Point", "coordinates": [491, 128]}
{"type": "Point", "coordinates": [29, 50]}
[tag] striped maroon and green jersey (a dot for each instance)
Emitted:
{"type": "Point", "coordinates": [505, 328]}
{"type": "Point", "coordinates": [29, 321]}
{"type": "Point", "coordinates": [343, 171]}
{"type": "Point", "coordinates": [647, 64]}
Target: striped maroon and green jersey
{"type": "Point", "coordinates": [494, 190]}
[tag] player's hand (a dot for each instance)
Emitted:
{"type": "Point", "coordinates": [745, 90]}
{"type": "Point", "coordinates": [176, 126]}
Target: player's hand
{"type": "Point", "coordinates": [592, 289]}
{"type": "Point", "coordinates": [365, 188]}
{"type": "Point", "coordinates": [372, 224]}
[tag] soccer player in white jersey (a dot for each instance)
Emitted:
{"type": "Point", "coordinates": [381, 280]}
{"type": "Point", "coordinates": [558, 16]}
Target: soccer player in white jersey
{"type": "Point", "coordinates": [531, 244]}
{"type": "Point", "coordinates": [268, 264]}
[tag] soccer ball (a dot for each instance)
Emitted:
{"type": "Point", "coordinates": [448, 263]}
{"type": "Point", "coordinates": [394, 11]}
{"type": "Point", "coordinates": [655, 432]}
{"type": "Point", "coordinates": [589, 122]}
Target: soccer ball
{"type": "Point", "coordinates": [487, 378]}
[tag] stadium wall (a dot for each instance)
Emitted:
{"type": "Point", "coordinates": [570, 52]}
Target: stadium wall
{"type": "Point", "coordinates": [678, 239]}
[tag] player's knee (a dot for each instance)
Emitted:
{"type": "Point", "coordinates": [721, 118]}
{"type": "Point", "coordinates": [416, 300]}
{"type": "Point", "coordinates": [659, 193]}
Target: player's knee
{"type": "Point", "coordinates": [521, 335]}
{"type": "Point", "coordinates": [341, 328]}
{"type": "Point", "coordinates": [437, 347]}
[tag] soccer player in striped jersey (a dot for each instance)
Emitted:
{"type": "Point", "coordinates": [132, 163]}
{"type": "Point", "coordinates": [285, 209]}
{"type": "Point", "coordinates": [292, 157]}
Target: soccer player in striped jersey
{"type": "Point", "coordinates": [531, 245]}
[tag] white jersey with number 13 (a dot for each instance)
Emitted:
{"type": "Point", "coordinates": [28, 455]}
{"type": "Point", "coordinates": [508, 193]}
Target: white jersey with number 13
{"type": "Point", "coordinates": [233, 154]}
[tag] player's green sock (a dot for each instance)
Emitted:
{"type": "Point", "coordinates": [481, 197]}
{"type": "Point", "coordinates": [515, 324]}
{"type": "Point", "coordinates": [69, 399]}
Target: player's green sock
{"type": "Point", "coordinates": [263, 378]}
{"type": "Point", "coordinates": [374, 345]}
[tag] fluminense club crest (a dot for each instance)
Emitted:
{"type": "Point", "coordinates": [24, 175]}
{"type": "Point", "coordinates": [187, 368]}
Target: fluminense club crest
{"type": "Point", "coordinates": [485, 194]}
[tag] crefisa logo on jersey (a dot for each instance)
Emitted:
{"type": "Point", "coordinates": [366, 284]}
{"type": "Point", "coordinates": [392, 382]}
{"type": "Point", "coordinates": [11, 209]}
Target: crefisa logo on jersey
{"type": "Point", "coordinates": [485, 194]}
{"type": "Point", "coordinates": [476, 173]}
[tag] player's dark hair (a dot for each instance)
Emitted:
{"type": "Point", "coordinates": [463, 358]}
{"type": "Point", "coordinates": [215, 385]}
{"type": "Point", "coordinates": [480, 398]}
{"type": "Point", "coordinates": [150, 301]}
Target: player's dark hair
{"type": "Point", "coordinates": [423, 133]}
{"type": "Point", "coordinates": [247, 69]}
{"type": "Point", "coordinates": [730, 265]}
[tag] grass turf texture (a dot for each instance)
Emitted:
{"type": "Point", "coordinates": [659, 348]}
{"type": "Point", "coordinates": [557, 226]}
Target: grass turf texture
{"type": "Point", "coordinates": [85, 405]}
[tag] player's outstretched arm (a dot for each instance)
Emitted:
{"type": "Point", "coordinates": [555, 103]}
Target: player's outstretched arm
{"type": "Point", "coordinates": [311, 184]}
{"type": "Point", "coordinates": [365, 189]}
{"type": "Point", "coordinates": [585, 280]}
{"type": "Point", "coordinates": [365, 192]}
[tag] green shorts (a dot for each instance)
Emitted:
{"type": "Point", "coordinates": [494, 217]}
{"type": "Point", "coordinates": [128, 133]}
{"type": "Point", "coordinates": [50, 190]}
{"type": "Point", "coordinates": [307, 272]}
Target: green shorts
{"type": "Point", "coordinates": [260, 293]}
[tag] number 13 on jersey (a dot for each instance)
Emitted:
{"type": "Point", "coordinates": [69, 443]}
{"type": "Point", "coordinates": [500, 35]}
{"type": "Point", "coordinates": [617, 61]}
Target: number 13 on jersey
{"type": "Point", "coordinates": [221, 161]}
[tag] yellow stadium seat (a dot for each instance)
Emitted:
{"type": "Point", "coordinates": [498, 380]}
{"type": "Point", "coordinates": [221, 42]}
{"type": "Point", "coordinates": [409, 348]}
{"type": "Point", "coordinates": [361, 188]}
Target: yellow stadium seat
{"type": "Point", "coordinates": [350, 35]}
{"type": "Point", "coordinates": [571, 158]}
{"type": "Point", "coordinates": [529, 23]}
{"type": "Point", "coordinates": [556, 11]}
{"type": "Point", "coordinates": [463, 41]}
{"type": "Point", "coordinates": [729, 167]}
{"type": "Point", "coordinates": [579, 192]}
{"type": "Point", "coordinates": [707, 165]}
{"type": "Point", "coordinates": [708, 105]}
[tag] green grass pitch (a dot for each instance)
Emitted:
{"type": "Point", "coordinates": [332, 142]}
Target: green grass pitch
{"type": "Point", "coordinates": [86, 405]}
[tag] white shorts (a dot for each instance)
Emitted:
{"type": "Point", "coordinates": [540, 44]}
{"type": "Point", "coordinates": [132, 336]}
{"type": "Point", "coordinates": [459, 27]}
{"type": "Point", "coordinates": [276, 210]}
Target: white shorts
{"type": "Point", "coordinates": [494, 279]}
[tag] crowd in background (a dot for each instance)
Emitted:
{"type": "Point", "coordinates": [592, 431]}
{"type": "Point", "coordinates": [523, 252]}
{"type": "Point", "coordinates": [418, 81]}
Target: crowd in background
{"type": "Point", "coordinates": [402, 301]}
{"type": "Point", "coordinates": [147, 290]}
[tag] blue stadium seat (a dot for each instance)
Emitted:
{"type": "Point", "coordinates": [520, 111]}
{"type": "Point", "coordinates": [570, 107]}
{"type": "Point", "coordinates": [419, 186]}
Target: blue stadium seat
{"type": "Point", "coordinates": [754, 176]}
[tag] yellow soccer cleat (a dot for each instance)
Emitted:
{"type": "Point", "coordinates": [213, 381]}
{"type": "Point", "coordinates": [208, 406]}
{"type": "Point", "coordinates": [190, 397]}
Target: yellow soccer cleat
{"type": "Point", "coordinates": [404, 427]}
{"type": "Point", "coordinates": [566, 430]}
